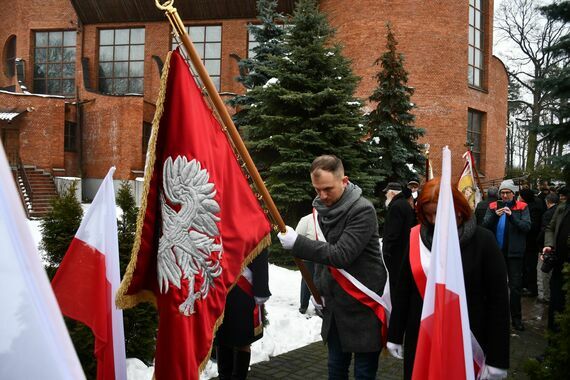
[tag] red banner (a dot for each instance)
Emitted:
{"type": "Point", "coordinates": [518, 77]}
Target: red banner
{"type": "Point", "coordinates": [202, 224]}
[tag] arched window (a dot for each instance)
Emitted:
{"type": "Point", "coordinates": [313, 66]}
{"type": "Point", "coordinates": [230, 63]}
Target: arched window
{"type": "Point", "coordinates": [9, 56]}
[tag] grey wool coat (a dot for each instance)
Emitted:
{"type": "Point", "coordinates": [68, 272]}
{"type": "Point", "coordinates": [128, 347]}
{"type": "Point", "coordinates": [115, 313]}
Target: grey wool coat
{"type": "Point", "coordinates": [352, 244]}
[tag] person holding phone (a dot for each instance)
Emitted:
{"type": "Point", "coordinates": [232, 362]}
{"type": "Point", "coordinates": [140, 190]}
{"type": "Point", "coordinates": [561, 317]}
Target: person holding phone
{"type": "Point", "coordinates": [509, 220]}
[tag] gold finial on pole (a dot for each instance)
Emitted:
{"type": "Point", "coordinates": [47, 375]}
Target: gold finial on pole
{"type": "Point", "coordinates": [166, 6]}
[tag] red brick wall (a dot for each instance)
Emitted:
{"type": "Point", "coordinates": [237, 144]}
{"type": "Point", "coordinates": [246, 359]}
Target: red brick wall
{"type": "Point", "coordinates": [23, 17]}
{"type": "Point", "coordinates": [41, 130]}
{"type": "Point", "coordinates": [433, 38]}
{"type": "Point", "coordinates": [112, 135]}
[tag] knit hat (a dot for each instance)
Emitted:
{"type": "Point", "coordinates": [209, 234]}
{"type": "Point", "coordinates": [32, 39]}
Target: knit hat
{"type": "Point", "coordinates": [508, 184]}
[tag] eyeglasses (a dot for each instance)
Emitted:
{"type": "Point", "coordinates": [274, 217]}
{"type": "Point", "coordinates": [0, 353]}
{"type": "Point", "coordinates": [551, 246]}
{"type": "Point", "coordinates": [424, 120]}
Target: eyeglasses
{"type": "Point", "coordinates": [507, 192]}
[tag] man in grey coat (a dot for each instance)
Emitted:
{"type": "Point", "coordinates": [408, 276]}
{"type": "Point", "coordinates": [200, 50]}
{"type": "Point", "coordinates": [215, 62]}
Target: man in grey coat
{"type": "Point", "coordinates": [349, 225]}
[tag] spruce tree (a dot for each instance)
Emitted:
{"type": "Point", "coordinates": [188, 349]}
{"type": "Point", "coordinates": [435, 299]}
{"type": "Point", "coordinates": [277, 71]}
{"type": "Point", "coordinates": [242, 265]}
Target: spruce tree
{"type": "Point", "coordinates": [253, 70]}
{"type": "Point", "coordinates": [558, 83]}
{"type": "Point", "coordinates": [140, 322]}
{"type": "Point", "coordinates": [58, 228]}
{"type": "Point", "coordinates": [391, 124]}
{"type": "Point", "coordinates": [269, 38]}
{"type": "Point", "coordinates": [306, 108]}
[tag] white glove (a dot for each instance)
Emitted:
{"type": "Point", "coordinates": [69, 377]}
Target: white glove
{"type": "Point", "coordinates": [493, 373]}
{"type": "Point", "coordinates": [396, 350]}
{"type": "Point", "coordinates": [288, 238]}
{"type": "Point", "coordinates": [260, 300]}
{"type": "Point", "coordinates": [316, 305]}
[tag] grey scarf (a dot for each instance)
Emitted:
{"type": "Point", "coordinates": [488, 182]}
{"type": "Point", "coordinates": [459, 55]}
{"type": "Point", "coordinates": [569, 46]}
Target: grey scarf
{"type": "Point", "coordinates": [330, 215]}
{"type": "Point", "coordinates": [465, 231]}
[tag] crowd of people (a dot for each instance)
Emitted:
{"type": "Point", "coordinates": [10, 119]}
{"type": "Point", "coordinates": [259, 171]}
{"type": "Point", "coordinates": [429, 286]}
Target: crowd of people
{"type": "Point", "coordinates": [513, 244]}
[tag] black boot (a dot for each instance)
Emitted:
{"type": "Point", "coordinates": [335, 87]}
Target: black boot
{"type": "Point", "coordinates": [225, 357]}
{"type": "Point", "coordinates": [241, 365]}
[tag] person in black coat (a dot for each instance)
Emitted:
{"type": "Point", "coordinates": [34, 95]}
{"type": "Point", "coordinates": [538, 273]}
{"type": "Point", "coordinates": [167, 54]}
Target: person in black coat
{"type": "Point", "coordinates": [396, 233]}
{"type": "Point", "coordinates": [536, 208]}
{"type": "Point", "coordinates": [543, 279]}
{"type": "Point", "coordinates": [557, 248]}
{"type": "Point", "coordinates": [239, 329]}
{"type": "Point", "coordinates": [481, 208]}
{"type": "Point", "coordinates": [486, 288]}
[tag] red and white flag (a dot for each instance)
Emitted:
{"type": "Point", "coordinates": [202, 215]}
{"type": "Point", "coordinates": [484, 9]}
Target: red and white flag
{"type": "Point", "coordinates": [199, 226]}
{"type": "Point", "coordinates": [444, 349]}
{"type": "Point", "coordinates": [34, 342]}
{"type": "Point", "coordinates": [88, 278]}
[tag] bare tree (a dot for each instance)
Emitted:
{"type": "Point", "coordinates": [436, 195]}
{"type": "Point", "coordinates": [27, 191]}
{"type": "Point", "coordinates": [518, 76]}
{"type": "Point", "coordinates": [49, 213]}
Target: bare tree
{"type": "Point", "coordinates": [521, 23]}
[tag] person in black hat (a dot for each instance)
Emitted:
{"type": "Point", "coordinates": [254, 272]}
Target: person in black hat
{"type": "Point", "coordinates": [396, 233]}
{"type": "Point", "coordinates": [414, 187]}
{"type": "Point", "coordinates": [555, 254]}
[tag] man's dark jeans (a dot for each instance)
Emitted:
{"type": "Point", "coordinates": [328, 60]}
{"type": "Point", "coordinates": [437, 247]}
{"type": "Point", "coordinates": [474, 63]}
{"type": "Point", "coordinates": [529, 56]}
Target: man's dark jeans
{"type": "Point", "coordinates": [515, 271]}
{"type": "Point", "coordinates": [365, 363]}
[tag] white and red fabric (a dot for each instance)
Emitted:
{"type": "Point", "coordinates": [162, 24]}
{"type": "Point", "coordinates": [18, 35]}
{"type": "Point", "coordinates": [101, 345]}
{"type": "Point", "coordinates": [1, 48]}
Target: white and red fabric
{"type": "Point", "coordinates": [245, 282]}
{"type": "Point", "coordinates": [420, 257]}
{"type": "Point", "coordinates": [34, 342]}
{"type": "Point", "coordinates": [444, 349]}
{"type": "Point", "coordinates": [88, 278]}
{"type": "Point", "coordinates": [380, 305]}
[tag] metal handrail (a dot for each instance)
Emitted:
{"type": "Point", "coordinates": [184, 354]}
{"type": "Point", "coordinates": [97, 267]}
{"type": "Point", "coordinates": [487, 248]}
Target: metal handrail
{"type": "Point", "coordinates": [22, 174]}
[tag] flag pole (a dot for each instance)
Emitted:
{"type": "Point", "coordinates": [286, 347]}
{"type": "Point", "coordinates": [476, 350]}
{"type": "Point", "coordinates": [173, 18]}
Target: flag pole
{"type": "Point", "coordinates": [180, 30]}
{"type": "Point", "coordinates": [476, 175]}
{"type": "Point", "coordinates": [426, 152]}
{"type": "Point", "coordinates": [474, 168]}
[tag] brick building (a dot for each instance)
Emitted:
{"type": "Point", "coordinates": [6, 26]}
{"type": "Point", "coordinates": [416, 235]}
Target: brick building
{"type": "Point", "coordinates": [79, 78]}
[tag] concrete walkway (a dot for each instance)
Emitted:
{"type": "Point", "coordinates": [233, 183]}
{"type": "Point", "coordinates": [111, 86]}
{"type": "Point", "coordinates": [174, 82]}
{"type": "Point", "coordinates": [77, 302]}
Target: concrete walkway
{"type": "Point", "coordinates": [310, 362]}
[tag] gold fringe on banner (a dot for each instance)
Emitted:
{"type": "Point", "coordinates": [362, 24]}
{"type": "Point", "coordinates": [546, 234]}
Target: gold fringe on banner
{"type": "Point", "coordinates": [122, 300]}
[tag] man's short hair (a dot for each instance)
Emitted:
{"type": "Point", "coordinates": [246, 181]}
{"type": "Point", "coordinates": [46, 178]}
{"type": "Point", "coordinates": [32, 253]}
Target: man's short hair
{"type": "Point", "coordinates": [328, 163]}
{"type": "Point", "coordinates": [493, 192]}
{"type": "Point", "coordinates": [552, 198]}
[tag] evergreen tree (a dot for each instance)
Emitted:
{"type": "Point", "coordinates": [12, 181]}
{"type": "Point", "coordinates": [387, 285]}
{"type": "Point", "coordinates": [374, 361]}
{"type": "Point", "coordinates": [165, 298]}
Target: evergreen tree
{"type": "Point", "coordinates": [140, 322]}
{"type": "Point", "coordinates": [391, 124]}
{"type": "Point", "coordinates": [253, 70]}
{"type": "Point", "coordinates": [268, 36]}
{"type": "Point", "coordinates": [558, 82]}
{"type": "Point", "coordinates": [58, 229]}
{"type": "Point", "coordinates": [306, 108]}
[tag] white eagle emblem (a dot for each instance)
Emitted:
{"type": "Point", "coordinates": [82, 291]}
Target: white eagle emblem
{"type": "Point", "coordinates": [188, 235]}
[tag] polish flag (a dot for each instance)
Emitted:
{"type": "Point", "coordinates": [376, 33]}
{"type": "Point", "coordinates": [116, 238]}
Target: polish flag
{"type": "Point", "coordinates": [444, 348]}
{"type": "Point", "coordinates": [88, 278]}
{"type": "Point", "coordinates": [34, 342]}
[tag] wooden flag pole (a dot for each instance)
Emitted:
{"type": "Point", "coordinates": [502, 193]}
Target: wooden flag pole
{"type": "Point", "coordinates": [426, 153]}
{"type": "Point", "coordinates": [476, 173]}
{"type": "Point", "coordinates": [180, 30]}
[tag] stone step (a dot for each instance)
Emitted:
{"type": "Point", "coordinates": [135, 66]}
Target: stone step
{"type": "Point", "coordinates": [43, 191]}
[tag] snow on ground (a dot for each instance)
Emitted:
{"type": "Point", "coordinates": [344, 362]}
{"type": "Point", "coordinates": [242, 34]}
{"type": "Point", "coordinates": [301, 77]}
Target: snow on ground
{"type": "Point", "coordinates": [287, 329]}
